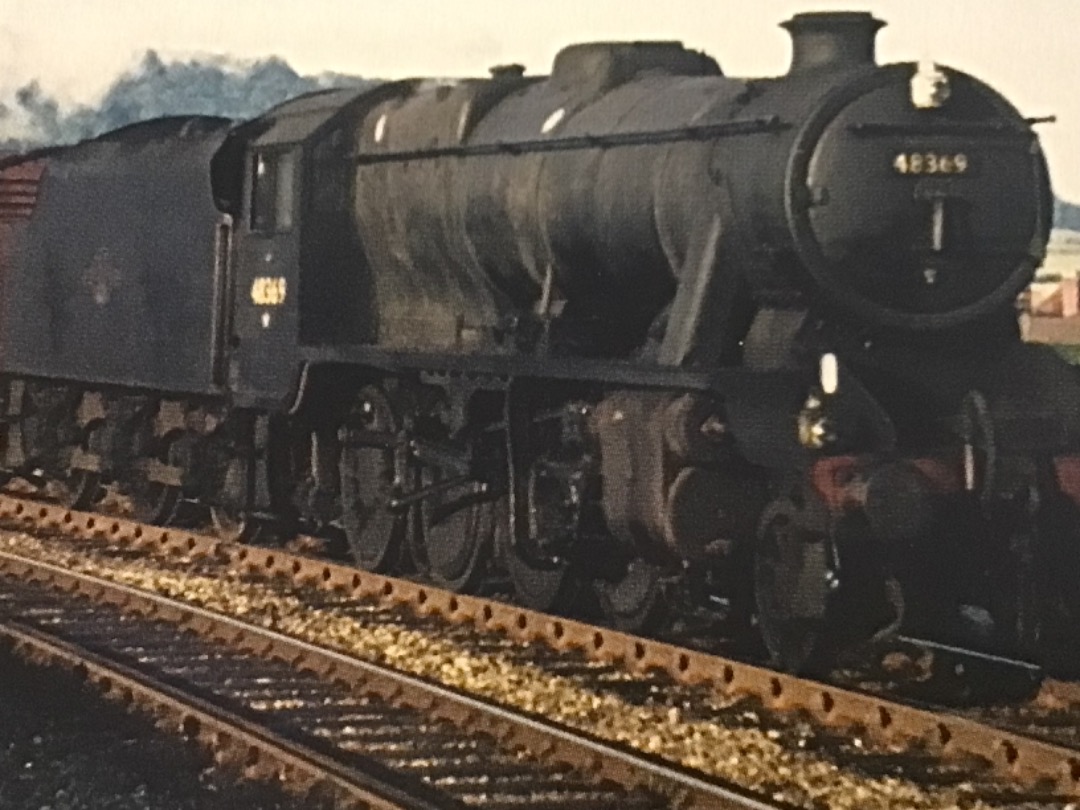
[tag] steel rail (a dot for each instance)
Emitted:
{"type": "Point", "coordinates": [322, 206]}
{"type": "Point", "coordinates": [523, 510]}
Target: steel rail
{"type": "Point", "coordinates": [234, 741]}
{"type": "Point", "coordinates": [548, 741]}
{"type": "Point", "coordinates": [1028, 762]}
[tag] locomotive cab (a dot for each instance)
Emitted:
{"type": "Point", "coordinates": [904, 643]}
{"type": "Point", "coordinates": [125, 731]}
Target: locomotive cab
{"type": "Point", "coordinates": [286, 225]}
{"type": "Point", "coordinates": [268, 253]}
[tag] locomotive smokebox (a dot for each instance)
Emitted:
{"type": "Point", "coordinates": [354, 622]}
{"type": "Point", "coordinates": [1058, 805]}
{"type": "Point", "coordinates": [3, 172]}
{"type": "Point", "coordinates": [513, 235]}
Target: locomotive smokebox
{"type": "Point", "coordinates": [834, 40]}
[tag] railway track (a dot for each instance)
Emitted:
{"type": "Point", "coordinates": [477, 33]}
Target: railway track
{"type": "Point", "coordinates": [341, 730]}
{"type": "Point", "coordinates": [866, 732]}
{"type": "Point", "coordinates": [65, 747]}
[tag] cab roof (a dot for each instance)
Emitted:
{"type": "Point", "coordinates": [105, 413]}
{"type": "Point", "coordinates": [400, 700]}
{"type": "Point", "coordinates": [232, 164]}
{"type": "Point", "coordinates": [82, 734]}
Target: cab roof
{"type": "Point", "coordinates": [298, 119]}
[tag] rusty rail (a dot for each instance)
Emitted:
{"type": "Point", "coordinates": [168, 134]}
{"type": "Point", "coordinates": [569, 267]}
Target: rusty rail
{"type": "Point", "coordinates": [234, 736]}
{"type": "Point", "coordinates": [1058, 694]}
{"type": "Point", "coordinates": [234, 742]}
{"type": "Point", "coordinates": [1028, 762]}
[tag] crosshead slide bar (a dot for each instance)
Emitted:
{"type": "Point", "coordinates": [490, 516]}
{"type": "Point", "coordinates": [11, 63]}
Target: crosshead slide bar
{"type": "Point", "coordinates": [545, 740]}
{"type": "Point", "coordinates": [1028, 762]}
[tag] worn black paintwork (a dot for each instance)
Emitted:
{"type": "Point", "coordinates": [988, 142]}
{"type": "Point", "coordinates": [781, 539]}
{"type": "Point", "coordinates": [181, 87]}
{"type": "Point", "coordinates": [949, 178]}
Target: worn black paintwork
{"type": "Point", "coordinates": [112, 278]}
{"type": "Point", "coordinates": [600, 295]}
{"type": "Point", "coordinates": [636, 205]}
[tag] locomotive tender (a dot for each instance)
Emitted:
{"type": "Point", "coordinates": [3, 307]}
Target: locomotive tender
{"type": "Point", "coordinates": [633, 337]}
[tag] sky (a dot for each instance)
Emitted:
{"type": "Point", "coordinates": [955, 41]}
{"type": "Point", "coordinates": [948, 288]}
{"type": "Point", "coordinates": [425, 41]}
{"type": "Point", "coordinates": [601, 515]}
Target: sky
{"type": "Point", "coordinates": [1028, 49]}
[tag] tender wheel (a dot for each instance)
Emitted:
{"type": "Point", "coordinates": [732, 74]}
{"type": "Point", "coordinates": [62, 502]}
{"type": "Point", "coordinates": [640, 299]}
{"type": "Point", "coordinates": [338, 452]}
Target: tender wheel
{"type": "Point", "coordinates": [790, 587]}
{"type": "Point", "coordinates": [48, 425]}
{"type": "Point", "coordinates": [231, 511]}
{"type": "Point", "coordinates": [80, 489]}
{"type": "Point", "coordinates": [229, 516]}
{"type": "Point", "coordinates": [372, 472]}
{"type": "Point", "coordinates": [234, 525]}
{"type": "Point", "coordinates": [155, 503]}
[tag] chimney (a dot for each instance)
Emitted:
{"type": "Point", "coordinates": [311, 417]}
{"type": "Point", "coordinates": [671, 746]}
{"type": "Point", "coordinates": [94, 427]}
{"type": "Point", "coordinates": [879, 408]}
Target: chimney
{"type": "Point", "coordinates": [841, 39]}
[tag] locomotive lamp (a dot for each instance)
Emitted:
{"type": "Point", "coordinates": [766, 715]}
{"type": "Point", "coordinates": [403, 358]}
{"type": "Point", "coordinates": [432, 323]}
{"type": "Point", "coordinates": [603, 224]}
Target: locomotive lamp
{"type": "Point", "coordinates": [815, 427]}
{"type": "Point", "coordinates": [929, 86]}
{"type": "Point", "coordinates": [816, 430]}
{"type": "Point", "coordinates": [829, 374]}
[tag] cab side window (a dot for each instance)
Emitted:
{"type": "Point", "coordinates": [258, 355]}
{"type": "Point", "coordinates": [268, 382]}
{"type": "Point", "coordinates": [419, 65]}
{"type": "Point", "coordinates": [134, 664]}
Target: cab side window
{"type": "Point", "coordinates": [273, 191]}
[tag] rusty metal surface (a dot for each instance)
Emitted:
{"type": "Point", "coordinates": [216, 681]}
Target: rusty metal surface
{"type": "Point", "coordinates": [1027, 761]}
{"type": "Point", "coordinates": [553, 745]}
{"type": "Point", "coordinates": [1058, 694]}
{"type": "Point", "coordinates": [19, 184]}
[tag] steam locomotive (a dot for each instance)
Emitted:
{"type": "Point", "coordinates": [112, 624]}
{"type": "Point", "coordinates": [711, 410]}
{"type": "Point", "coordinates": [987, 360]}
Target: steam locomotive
{"type": "Point", "coordinates": [635, 338]}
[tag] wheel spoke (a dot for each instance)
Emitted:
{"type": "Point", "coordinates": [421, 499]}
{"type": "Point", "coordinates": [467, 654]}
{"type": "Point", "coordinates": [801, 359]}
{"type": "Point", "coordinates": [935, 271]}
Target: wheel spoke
{"type": "Point", "coordinates": [369, 477]}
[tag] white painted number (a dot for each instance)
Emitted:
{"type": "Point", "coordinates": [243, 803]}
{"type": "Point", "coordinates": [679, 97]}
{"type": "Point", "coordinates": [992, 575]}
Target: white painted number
{"type": "Point", "coordinates": [931, 163]}
{"type": "Point", "coordinates": [268, 291]}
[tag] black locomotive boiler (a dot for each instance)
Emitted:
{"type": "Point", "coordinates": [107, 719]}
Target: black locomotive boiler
{"type": "Point", "coordinates": [634, 337]}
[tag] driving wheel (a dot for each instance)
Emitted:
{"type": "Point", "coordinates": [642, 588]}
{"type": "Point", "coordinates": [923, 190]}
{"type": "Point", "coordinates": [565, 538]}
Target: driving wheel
{"type": "Point", "coordinates": [372, 473]}
{"type": "Point", "coordinates": [541, 564]}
